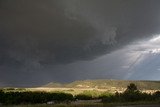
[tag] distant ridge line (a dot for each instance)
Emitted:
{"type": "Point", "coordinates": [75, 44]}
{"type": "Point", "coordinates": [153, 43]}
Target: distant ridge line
{"type": "Point", "coordinates": [105, 84]}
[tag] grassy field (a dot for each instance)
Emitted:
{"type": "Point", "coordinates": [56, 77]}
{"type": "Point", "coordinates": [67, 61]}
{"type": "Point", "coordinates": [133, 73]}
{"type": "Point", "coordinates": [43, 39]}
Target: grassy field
{"type": "Point", "coordinates": [75, 91]}
{"type": "Point", "coordinates": [98, 86]}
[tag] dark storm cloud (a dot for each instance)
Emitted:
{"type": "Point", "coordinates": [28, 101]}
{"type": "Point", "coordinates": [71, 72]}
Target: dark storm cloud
{"type": "Point", "coordinates": [35, 34]}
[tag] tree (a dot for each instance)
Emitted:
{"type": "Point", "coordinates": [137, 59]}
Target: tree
{"type": "Point", "coordinates": [131, 93]}
{"type": "Point", "coordinates": [132, 87]}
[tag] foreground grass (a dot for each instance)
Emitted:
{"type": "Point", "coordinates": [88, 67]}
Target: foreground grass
{"type": "Point", "coordinates": [153, 103]}
{"type": "Point", "coordinates": [60, 105]}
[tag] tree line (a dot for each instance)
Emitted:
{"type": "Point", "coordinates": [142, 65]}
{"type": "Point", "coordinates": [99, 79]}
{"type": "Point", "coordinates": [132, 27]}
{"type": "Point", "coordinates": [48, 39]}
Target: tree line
{"type": "Point", "coordinates": [132, 94]}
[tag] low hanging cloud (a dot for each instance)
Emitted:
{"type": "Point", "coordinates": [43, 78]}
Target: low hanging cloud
{"type": "Point", "coordinates": [146, 46]}
{"type": "Point", "coordinates": [37, 34]}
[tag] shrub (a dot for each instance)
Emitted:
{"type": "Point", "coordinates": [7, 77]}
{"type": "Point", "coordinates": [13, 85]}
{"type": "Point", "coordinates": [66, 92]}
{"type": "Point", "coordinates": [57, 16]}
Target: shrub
{"type": "Point", "coordinates": [83, 97]}
{"type": "Point", "coordinates": [33, 97]}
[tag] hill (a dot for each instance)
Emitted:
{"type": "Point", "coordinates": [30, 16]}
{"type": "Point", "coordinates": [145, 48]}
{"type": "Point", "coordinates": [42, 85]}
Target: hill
{"type": "Point", "coordinates": [107, 84]}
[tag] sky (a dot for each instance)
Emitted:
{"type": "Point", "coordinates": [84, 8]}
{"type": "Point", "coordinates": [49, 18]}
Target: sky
{"type": "Point", "coordinates": [44, 41]}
